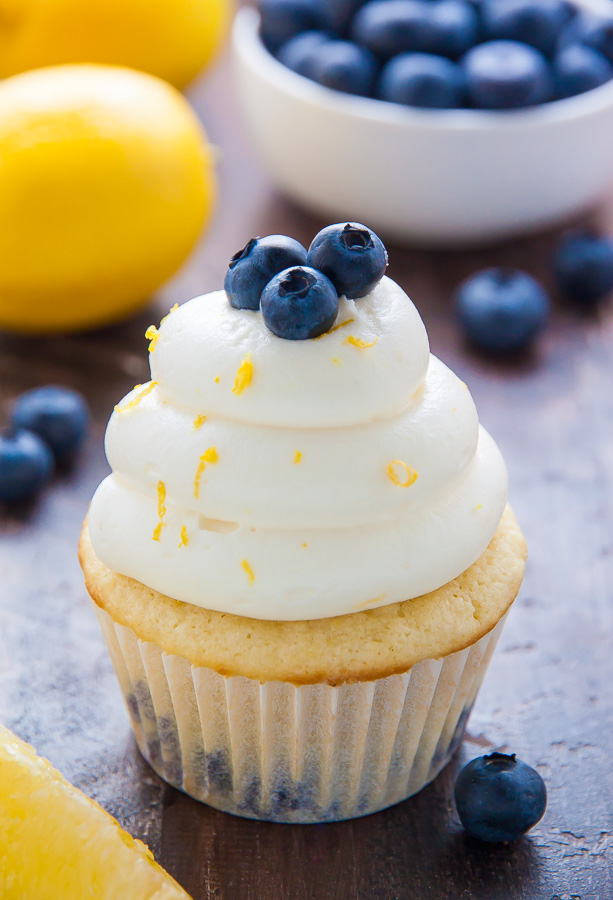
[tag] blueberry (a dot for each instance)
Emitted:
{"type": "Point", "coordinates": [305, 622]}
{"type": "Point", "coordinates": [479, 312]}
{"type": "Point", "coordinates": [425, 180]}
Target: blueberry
{"type": "Point", "coordinates": [284, 19]}
{"type": "Point", "coordinates": [535, 22]}
{"type": "Point", "coordinates": [299, 303]}
{"type": "Point", "coordinates": [584, 268]}
{"type": "Point", "coordinates": [507, 75]}
{"type": "Point", "coordinates": [343, 66]}
{"type": "Point", "coordinates": [421, 79]}
{"type": "Point", "coordinates": [26, 465]}
{"type": "Point", "coordinates": [456, 27]}
{"type": "Point", "coordinates": [593, 31]}
{"type": "Point", "coordinates": [260, 260]}
{"type": "Point", "coordinates": [58, 415]}
{"type": "Point", "coordinates": [577, 69]}
{"type": "Point", "coordinates": [499, 797]}
{"type": "Point", "coordinates": [338, 14]}
{"type": "Point", "coordinates": [298, 53]}
{"type": "Point", "coordinates": [351, 256]}
{"type": "Point", "coordinates": [502, 309]}
{"type": "Point", "coordinates": [389, 27]}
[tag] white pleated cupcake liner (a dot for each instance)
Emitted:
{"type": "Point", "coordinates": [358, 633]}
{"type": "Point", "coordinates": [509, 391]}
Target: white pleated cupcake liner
{"type": "Point", "coordinates": [282, 753]}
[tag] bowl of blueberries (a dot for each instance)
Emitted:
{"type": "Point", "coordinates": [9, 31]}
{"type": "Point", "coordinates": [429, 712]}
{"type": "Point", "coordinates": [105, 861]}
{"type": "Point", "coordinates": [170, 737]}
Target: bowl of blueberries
{"type": "Point", "coordinates": [438, 121]}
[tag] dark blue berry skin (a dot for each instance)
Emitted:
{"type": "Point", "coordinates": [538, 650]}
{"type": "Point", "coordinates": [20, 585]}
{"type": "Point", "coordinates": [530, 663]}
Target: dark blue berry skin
{"type": "Point", "coordinates": [456, 27]}
{"type": "Point", "coordinates": [351, 256]}
{"type": "Point", "coordinates": [499, 798]}
{"type": "Point", "coordinates": [298, 53]}
{"type": "Point", "coordinates": [593, 31]}
{"type": "Point", "coordinates": [584, 268]}
{"type": "Point", "coordinates": [343, 66]}
{"type": "Point", "coordinates": [338, 14]}
{"type": "Point", "coordinates": [299, 303]}
{"type": "Point", "coordinates": [501, 310]}
{"type": "Point", "coordinates": [389, 27]}
{"type": "Point", "coordinates": [260, 260]}
{"type": "Point", "coordinates": [535, 22]}
{"type": "Point", "coordinates": [284, 19]}
{"type": "Point", "coordinates": [422, 79]}
{"type": "Point", "coordinates": [577, 69]}
{"type": "Point", "coordinates": [58, 415]}
{"type": "Point", "coordinates": [26, 465]}
{"type": "Point", "coordinates": [507, 75]}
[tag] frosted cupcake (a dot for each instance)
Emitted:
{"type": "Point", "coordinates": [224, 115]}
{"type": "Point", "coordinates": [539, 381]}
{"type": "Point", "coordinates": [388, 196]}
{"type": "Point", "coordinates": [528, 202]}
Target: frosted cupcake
{"type": "Point", "coordinates": [303, 558]}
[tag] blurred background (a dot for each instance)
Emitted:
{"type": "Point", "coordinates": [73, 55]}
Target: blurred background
{"type": "Point", "coordinates": [141, 145]}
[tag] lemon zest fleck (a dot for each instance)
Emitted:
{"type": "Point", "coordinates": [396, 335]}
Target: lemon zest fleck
{"type": "Point", "coordinates": [209, 456]}
{"type": "Point", "coordinates": [161, 510]}
{"type": "Point", "coordinates": [359, 343]}
{"type": "Point", "coordinates": [244, 376]}
{"type": "Point", "coordinates": [394, 477]}
{"type": "Point", "coordinates": [217, 379]}
{"type": "Point", "coordinates": [334, 328]}
{"type": "Point", "coordinates": [132, 404]}
{"type": "Point", "coordinates": [479, 506]}
{"type": "Point", "coordinates": [184, 537]}
{"type": "Point", "coordinates": [305, 545]}
{"type": "Point", "coordinates": [248, 570]}
{"type": "Point", "coordinates": [368, 603]}
{"type": "Point", "coordinates": [170, 312]}
{"type": "Point", "coordinates": [297, 457]}
{"type": "Point", "coordinates": [198, 421]}
{"type": "Point", "coordinates": [336, 361]}
{"type": "Point", "coordinates": [153, 335]}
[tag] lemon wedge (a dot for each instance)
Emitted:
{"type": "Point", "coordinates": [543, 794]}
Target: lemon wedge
{"type": "Point", "coordinates": [57, 843]}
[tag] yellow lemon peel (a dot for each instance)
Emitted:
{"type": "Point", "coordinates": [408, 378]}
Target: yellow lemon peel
{"type": "Point", "coordinates": [297, 457]}
{"type": "Point", "coordinates": [217, 379]}
{"type": "Point", "coordinates": [334, 328]}
{"type": "Point", "coordinates": [153, 335]}
{"type": "Point", "coordinates": [184, 537]}
{"type": "Point", "coordinates": [395, 478]}
{"type": "Point", "coordinates": [132, 404]}
{"type": "Point", "coordinates": [161, 510]}
{"type": "Point", "coordinates": [248, 571]}
{"type": "Point", "coordinates": [244, 375]}
{"type": "Point", "coordinates": [170, 312]}
{"type": "Point", "coordinates": [198, 421]}
{"type": "Point", "coordinates": [336, 361]}
{"type": "Point", "coordinates": [209, 456]}
{"type": "Point", "coordinates": [359, 343]}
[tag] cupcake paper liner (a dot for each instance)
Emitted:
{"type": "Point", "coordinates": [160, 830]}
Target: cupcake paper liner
{"type": "Point", "coordinates": [282, 753]}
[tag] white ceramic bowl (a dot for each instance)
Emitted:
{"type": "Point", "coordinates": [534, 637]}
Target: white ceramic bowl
{"type": "Point", "coordinates": [431, 176]}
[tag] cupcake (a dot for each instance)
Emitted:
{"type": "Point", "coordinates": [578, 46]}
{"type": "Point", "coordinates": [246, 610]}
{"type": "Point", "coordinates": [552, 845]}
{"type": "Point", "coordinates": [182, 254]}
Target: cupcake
{"type": "Point", "coordinates": [304, 556]}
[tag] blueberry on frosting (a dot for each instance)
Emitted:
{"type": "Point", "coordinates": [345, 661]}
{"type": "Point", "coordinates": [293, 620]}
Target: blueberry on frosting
{"type": "Point", "coordinates": [299, 303]}
{"type": "Point", "coordinates": [351, 256]}
{"type": "Point", "coordinates": [253, 267]}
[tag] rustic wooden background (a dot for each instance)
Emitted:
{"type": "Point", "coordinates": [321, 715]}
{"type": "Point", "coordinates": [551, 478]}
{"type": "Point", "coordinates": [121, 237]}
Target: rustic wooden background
{"type": "Point", "coordinates": [548, 693]}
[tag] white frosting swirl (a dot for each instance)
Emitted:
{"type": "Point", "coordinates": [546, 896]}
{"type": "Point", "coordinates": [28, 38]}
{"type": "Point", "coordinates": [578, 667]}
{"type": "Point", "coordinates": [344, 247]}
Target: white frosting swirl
{"type": "Point", "coordinates": [297, 479]}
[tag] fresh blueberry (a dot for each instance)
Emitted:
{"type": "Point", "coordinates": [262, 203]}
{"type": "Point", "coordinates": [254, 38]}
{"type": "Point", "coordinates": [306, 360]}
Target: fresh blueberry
{"type": "Point", "coordinates": [26, 465]}
{"type": "Point", "coordinates": [351, 256]}
{"type": "Point", "coordinates": [456, 27]}
{"type": "Point", "coordinates": [422, 79]}
{"type": "Point", "coordinates": [260, 260]}
{"type": "Point", "coordinates": [298, 53]}
{"type": "Point", "coordinates": [58, 415]}
{"type": "Point", "coordinates": [499, 797]}
{"type": "Point", "coordinates": [339, 13]}
{"type": "Point", "coordinates": [343, 66]}
{"type": "Point", "coordinates": [299, 303]}
{"type": "Point", "coordinates": [281, 20]}
{"type": "Point", "coordinates": [502, 310]}
{"type": "Point", "coordinates": [584, 268]}
{"type": "Point", "coordinates": [389, 27]}
{"type": "Point", "coordinates": [577, 69]}
{"type": "Point", "coordinates": [592, 30]}
{"type": "Point", "coordinates": [535, 22]}
{"type": "Point", "coordinates": [507, 75]}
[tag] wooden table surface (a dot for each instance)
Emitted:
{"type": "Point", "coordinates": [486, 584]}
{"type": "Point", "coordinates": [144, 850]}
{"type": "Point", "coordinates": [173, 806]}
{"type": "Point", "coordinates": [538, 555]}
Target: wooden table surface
{"type": "Point", "coordinates": [548, 692]}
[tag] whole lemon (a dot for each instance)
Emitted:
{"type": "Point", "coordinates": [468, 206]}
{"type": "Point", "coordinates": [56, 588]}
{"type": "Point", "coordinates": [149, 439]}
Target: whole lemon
{"type": "Point", "coordinates": [173, 39]}
{"type": "Point", "coordinates": [106, 179]}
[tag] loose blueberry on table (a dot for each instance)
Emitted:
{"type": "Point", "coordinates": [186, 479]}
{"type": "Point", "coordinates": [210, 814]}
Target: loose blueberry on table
{"type": "Point", "coordinates": [501, 310]}
{"type": "Point", "coordinates": [499, 798]}
{"type": "Point", "coordinates": [584, 268]}
{"type": "Point", "coordinates": [512, 54]}
{"type": "Point", "coordinates": [26, 465]}
{"type": "Point", "coordinates": [56, 414]}
{"type": "Point", "coordinates": [298, 292]}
